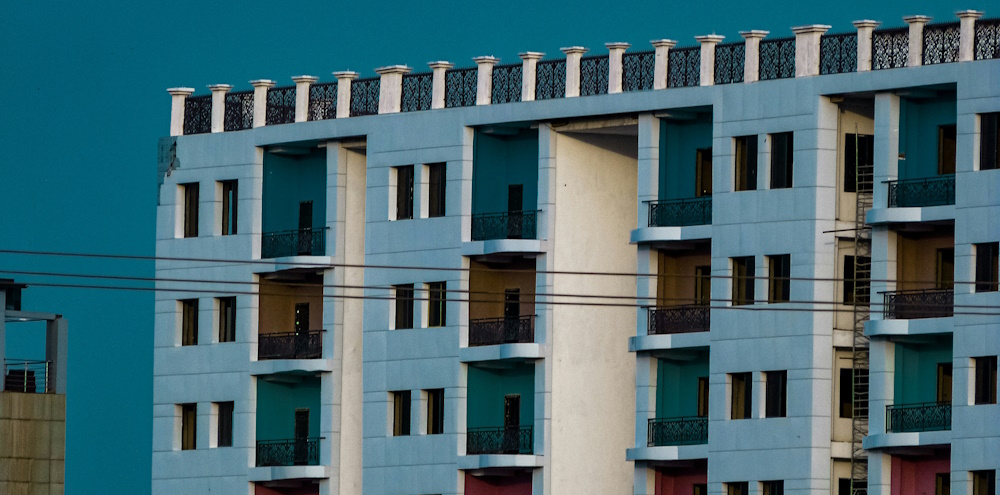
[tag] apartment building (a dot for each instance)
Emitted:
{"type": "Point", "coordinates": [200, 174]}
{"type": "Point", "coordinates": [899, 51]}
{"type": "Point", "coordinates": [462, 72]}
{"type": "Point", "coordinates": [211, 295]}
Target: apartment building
{"type": "Point", "coordinates": [685, 270]}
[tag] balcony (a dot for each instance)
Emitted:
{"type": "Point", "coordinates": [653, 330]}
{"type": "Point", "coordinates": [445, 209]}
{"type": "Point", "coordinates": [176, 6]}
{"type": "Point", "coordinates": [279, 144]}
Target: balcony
{"type": "Point", "coordinates": [677, 431]}
{"type": "Point", "coordinates": [499, 440]}
{"type": "Point", "coordinates": [934, 191]}
{"type": "Point", "coordinates": [292, 345]}
{"type": "Point", "coordinates": [301, 242]}
{"type": "Point", "coordinates": [26, 376]}
{"type": "Point", "coordinates": [504, 330]}
{"type": "Point", "coordinates": [681, 212]}
{"type": "Point", "coordinates": [679, 319]}
{"type": "Point", "coordinates": [505, 225]}
{"type": "Point", "coordinates": [926, 416]}
{"type": "Point", "coordinates": [297, 452]}
{"type": "Point", "coordinates": [921, 303]}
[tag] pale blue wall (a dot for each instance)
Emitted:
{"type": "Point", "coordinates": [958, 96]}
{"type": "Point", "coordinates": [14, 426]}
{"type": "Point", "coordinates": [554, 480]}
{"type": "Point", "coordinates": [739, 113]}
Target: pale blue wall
{"type": "Point", "coordinates": [918, 134]}
{"type": "Point", "coordinates": [679, 142]}
{"type": "Point", "coordinates": [677, 387]}
{"type": "Point", "coordinates": [916, 371]}
{"type": "Point", "coordinates": [500, 161]}
{"type": "Point", "coordinates": [487, 388]}
{"type": "Point", "coordinates": [276, 405]}
{"type": "Point", "coordinates": [289, 180]}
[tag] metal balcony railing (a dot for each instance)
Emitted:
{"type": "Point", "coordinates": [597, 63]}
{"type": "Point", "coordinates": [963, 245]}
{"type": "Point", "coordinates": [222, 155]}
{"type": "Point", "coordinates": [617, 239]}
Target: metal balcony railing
{"type": "Point", "coordinates": [934, 191]}
{"type": "Point", "coordinates": [680, 212]}
{"type": "Point", "coordinates": [505, 330]}
{"type": "Point", "coordinates": [297, 452]}
{"type": "Point", "coordinates": [677, 431]}
{"type": "Point", "coordinates": [302, 242]}
{"type": "Point", "coordinates": [292, 345]}
{"type": "Point", "coordinates": [501, 440]}
{"type": "Point", "coordinates": [679, 319]}
{"type": "Point", "coordinates": [26, 376]}
{"type": "Point", "coordinates": [915, 304]}
{"type": "Point", "coordinates": [927, 416]}
{"type": "Point", "coordinates": [505, 225]}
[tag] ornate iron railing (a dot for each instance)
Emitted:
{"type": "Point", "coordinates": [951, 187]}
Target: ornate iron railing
{"type": "Point", "coordinates": [292, 345]}
{"type": "Point", "coordinates": [26, 376]}
{"type": "Point", "coordinates": [684, 67]}
{"type": "Point", "coordinates": [504, 225]}
{"type": "Point", "coordinates": [298, 452]}
{"type": "Point", "coordinates": [987, 39]}
{"type": "Point", "coordinates": [594, 75]}
{"type": "Point", "coordinates": [364, 96]}
{"type": "Point", "coordinates": [730, 59]}
{"type": "Point", "coordinates": [679, 319]}
{"type": "Point", "coordinates": [677, 431]}
{"type": "Point", "coordinates": [418, 90]}
{"type": "Point", "coordinates": [302, 242]}
{"type": "Point", "coordinates": [927, 416]}
{"type": "Point", "coordinates": [280, 105]}
{"type": "Point", "coordinates": [890, 48]}
{"type": "Point", "coordinates": [550, 79]}
{"type": "Point", "coordinates": [198, 114]}
{"type": "Point", "coordinates": [504, 330]}
{"type": "Point", "coordinates": [921, 303]}
{"type": "Point", "coordinates": [239, 111]}
{"type": "Point", "coordinates": [502, 440]}
{"type": "Point", "coordinates": [777, 59]}
{"type": "Point", "coordinates": [933, 191]}
{"type": "Point", "coordinates": [941, 43]}
{"type": "Point", "coordinates": [680, 212]}
{"type": "Point", "coordinates": [323, 101]}
{"type": "Point", "coordinates": [460, 87]}
{"type": "Point", "coordinates": [506, 83]}
{"type": "Point", "coordinates": [637, 70]}
{"type": "Point", "coordinates": [838, 53]}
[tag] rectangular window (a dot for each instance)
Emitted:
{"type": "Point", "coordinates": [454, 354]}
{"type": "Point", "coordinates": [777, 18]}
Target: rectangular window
{"type": "Point", "coordinates": [229, 195]}
{"type": "Point", "coordinates": [743, 280]}
{"type": "Point", "coordinates": [436, 190]}
{"type": "Point", "coordinates": [436, 304]}
{"type": "Point", "coordinates": [738, 488]}
{"type": "Point", "coordinates": [775, 394]}
{"type": "Point", "coordinates": [227, 319]}
{"type": "Point", "coordinates": [946, 149]}
{"type": "Point", "coordinates": [703, 173]}
{"type": "Point", "coordinates": [703, 285]}
{"type": "Point", "coordinates": [703, 397]}
{"type": "Point", "coordinates": [746, 163]}
{"type": "Point", "coordinates": [944, 383]}
{"type": "Point", "coordinates": [778, 278]}
{"type": "Point", "coordinates": [942, 484]}
{"type": "Point", "coordinates": [945, 268]}
{"type": "Point", "coordinates": [986, 266]}
{"type": "Point", "coordinates": [404, 192]}
{"type": "Point", "coordinates": [225, 427]}
{"type": "Point", "coordinates": [781, 160]}
{"type": "Point", "coordinates": [400, 413]}
{"type": "Point", "coordinates": [699, 489]}
{"type": "Point", "coordinates": [190, 209]}
{"type": "Point", "coordinates": [846, 395]}
{"type": "Point", "coordinates": [189, 322]}
{"type": "Point", "coordinates": [435, 411]}
{"type": "Point", "coordinates": [984, 482]}
{"type": "Point", "coordinates": [989, 141]}
{"type": "Point", "coordinates": [404, 306]}
{"type": "Point", "coordinates": [844, 486]}
{"type": "Point", "coordinates": [189, 426]}
{"type": "Point", "coordinates": [857, 279]}
{"type": "Point", "coordinates": [859, 154]}
{"type": "Point", "coordinates": [986, 379]}
{"type": "Point", "coordinates": [742, 387]}
{"type": "Point", "coordinates": [773, 487]}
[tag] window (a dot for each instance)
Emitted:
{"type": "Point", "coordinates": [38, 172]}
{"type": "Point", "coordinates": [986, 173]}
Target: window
{"type": "Point", "coordinates": [435, 411]}
{"type": "Point", "coordinates": [984, 482]}
{"type": "Point", "coordinates": [857, 279]}
{"type": "Point", "coordinates": [989, 141]}
{"type": "Point", "coordinates": [945, 268]}
{"type": "Point", "coordinates": [436, 190]}
{"type": "Point", "coordinates": [944, 383]}
{"type": "Point", "coordinates": [189, 425]}
{"type": "Point", "coordinates": [699, 489]}
{"type": "Point", "coordinates": [225, 426]}
{"type": "Point", "coordinates": [773, 487]}
{"type": "Point", "coordinates": [942, 484]}
{"type": "Point", "coordinates": [189, 322]}
{"type": "Point", "coordinates": [229, 195]}
{"type": "Point", "coordinates": [741, 395]}
{"type": "Point", "coordinates": [844, 486]}
{"type": "Point", "coordinates": [775, 394]}
{"type": "Point", "coordinates": [746, 163]}
{"type": "Point", "coordinates": [946, 149]}
{"type": "Point", "coordinates": [190, 209]}
{"type": "Point", "coordinates": [703, 397]}
{"type": "Point", "coordinates": [404, 192]}
{"type": "Point", "coordinates": [781, 160]}
{"type": "Point", "coordinates": [703, 285]}
{"type": "Point", "coordinates": [400, 413]}
{"type": "Point", "coordinates": [404, 306]}
{"type": "Point", "coordinates": [986, 379]}
{"type": "Point", "coordinates": [778, 281]}
{"type": "Point", "coordinates": [846, 395]}
{"type": "Point", "coordinates": [743, 280]}
{"type": "Point", "coordinates": [986, 266]}
{"type": "Point", "coordinates": [436, 316]}
{"type": "Point", "coordinates": [703, 173]}
{"type": "Point", "coordinates": [859, 154]}
{"type": "Point", "coordinates": [227, 319]}
{"type": "Point", "coordinates": [738, 488]}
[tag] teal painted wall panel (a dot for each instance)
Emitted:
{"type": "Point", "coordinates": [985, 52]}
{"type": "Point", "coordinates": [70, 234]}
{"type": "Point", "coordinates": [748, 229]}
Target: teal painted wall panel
{"type": "Point", "coordinates": [276, 405]}
{"type": "Point", "coordinates": [500, 161]}
{"type": "Point", "coordinates": [677, 387]}
{"type": "Point", "coordinates": [289, 180]}
{"type": "Point", "coordinates": [679, 144]}
{"type": "Point", "coordinates": [915, 377]}
{"type": "Point", "coordinates": [487, 388]}
{"type": "Point", "coordinates": [918, 134]}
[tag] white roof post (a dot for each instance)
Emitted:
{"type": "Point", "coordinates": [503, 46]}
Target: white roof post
{"type": "Point", "coordinates": [660, 61]}
{"type": "Point", "coordinates": [807, 49]}
{"type": "Point", "coordinates": [177, 98]}
{"type": "Point", "coordinates": [915, 57]}
{"type": "Point", "coordinates": [573, 56]}
{"type": "Point", "coordinates": [344, 79]}
{"type": "Point", "coordinates": [967, 34]}
{"type": "Point", "coordinates": [708, 43]}
{"type": "Point", "coordinates": [302, 84]}
{"type": "Point", "coordinates": [529, 71]}
{"type": "Point", "coordinates": [390, 88]}
{"type": "Point", "coordinates": [615, 68]}
{"type": "Point", "coordinates": [865, 28]}
{"type": "Point", "coordinates": [219, 106]}
{"type": "Point", "coordinates": [260, 87]}
{"type": "Point", "coordinates": [484, 79]}
{"type": "Point", "coordinates": [438, 69]}
{"type": "Point", "coordinates": [751, 54]}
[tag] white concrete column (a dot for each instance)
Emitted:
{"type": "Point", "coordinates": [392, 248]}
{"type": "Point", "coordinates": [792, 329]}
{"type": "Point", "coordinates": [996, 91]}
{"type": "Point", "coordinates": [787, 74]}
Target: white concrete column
{"type": "Point", "coordinates": [886, 158]}
{"type": "Point", "coordinates": [344, 79]}
{"type": "Point", "coordinates": [219, 105]}
{"type": "Point", "coordinates": [302, 84]}
{"type": "Point", "coordinates": [916, 55]}
{"type": "Point", "coordinates": [708, 43]}
{"type": "Point", "coordinates": [390, 88]}
{"type": "Point", "coordinates": [438, 69]}
{"type": "Point", "coordinates": [967, 34]}
{"type": "Point", "coordinates": [573, 56]}
{"type": "Point", "coordinates": [529, 67]}
{"type": "Point", "coordinates": [660, 60]}
{"type": "Point", "coordinates": [865, 28]}
{"type": "Point", "coordinates": [260, 87]}
{"type": "Point", "coordinates": [615, 69]}
{"type": "Point", "coordinates": [177, 98]}
{"type": "Point", "coordinates": [807, 49]}
{"type": "Point", "coordinates": [56, 353]}
{"type": "Point", "coordinates": [751, 53]}
{"type": "Point", "coordinates": [484, 79]}
{"type": "Point", "coordinates": [648, 187]}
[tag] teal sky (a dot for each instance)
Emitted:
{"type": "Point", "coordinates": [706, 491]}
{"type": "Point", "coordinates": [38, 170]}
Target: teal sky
{"type": "Point", "coordinates": [82, 103]}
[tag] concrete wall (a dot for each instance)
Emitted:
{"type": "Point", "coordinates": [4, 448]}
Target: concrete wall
{"type": "Point", "coordinates": [33, 449]}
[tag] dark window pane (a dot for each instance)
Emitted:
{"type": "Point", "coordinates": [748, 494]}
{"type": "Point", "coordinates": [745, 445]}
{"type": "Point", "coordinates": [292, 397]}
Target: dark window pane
{"type": "Point", "coordinates": [743, 280]}
{"type": "Point", "coordinates": [190, 209]}
{"type": "Point", "coordinates": [229, 207]}
{"type": "Point", "coordinates": [846, 393]}
{"type": "Point", "coordinates": [779, 282]}
{"type": "Point", "coordinates": [859, 152]}
{"type": "Point", "coordinates": [775, 400]}
{"type": "Point", "coordinates": [742, 389]}
{"type": "Point", "coordinates": [436, 190]}
{"type": "Point", "coordinates": [746, 163]}
{"type": "Point", "coordinates": [435, 411]}
{"type": "Point", "coordinates": [404, 192]}
{"type": "Point", "coordinates": [227, 319]}
{"type": "Point", "coordinates": [189, 322]}
{"type": "Point", "coordinates": [986, 266]}
{"type": "Point", "coordinates": [986, 380]}
{"type": "Point", "coordinates": [989, 141]}
{"type": "Point", "coordinates": [401, 413]}
{"type": "Point", "coordinates": [857, 279]}
{"type": "Point", "coordinates": [189, 424]}
{"type": "Point", "coordinates": [946, 149]}
{"type": "Point", "coordinates": [781, 160]}
{"type": "Point", "coordinates": [436, 304]}
{"type": "Point", "coordinates": [225, 428]}
{"type": "Point", "coordinates": [404, 306]}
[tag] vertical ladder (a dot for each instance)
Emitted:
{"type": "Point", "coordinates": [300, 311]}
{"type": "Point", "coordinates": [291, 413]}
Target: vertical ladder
{"type": "Point", "coordinates": [862, 310]}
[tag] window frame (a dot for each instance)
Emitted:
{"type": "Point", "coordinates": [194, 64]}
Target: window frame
{"type": "Point", "coordinates": [401, 413]}
{"type": "Point", "coordinates": [779, 281]}
{"type": "Point", "coordinates": [437, 188]}
{"type": "Point", "coordinates": [189, 209]}
{"type": "Point", "coordinates": [189, 426]}
{"type": "Point", "coordinates": [850, 286]}
{"type": "Point", "coordinates": [745, 163]}
{"type": "Point", "coordinates": [189, 321]}
{"type": "Point", "coordinates": [226, 319]}
{"type": "Point", "coordinates": [435, 411]}
{"type": "Point", "coordinates": [403, 298]}
{"type": "Point", "coordinates": [224, 425]}
{"type": "Point", "coordinates": [743, 280]}
{"type": "Point", "coordinates": [437, 304]}
{"type": "Point", "coordinates": [989, 141]}
{"type": "Point", "coordinates": [230, 207]}
{"type": "Point", "coordinates": [985, 380]}
{"type": "Point", "coordinates": [947, 149]}
{"type": "Point", "coordinates": [776, 394]}
{"type": "Point", "coordinates": [861, 146]}
{"type": "Point", "coordinates": [782, 159]}
{"type": "Point", "coordinates": [987, 266]}
{"type": "Point", "coordinates": [741, 396]}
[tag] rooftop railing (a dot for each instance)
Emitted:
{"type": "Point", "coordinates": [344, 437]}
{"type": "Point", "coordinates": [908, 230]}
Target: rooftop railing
{"type": "Point", "coordinates": [927, 416]}
{"type": "Point", "coordinates": [417, 92]}
{"type": "Point", "coordinates": [26, 376]}
{"type": "Point", "coordinates": [323, 101]}
{"type": "Point", "coordinates": [460, 86]}
{"type": "Point", "coordinates": [921, 303]}
{"type": "Point", "coordinates": [637, 70]}
{"type": "Point", "coordinates": [594, 75]}
{"type": "Point", "coordinates": [198, 114]}
{"type": "Point", "coordinates": [838, 53]}
{"type": "Point", "coordinates": [550, 79]}
{"type": "Point", "coordinates": [933, 191]}
{"type": "Point", "coordinates": [503, 330]}
{"type": "Point", "coordinates": [677, 431]}
{"type": "Point", "coordinates": [890, 48]}
{"type": "Point", "coordinates": [280, 105]}
{"type": "Point", "coordinates": [941, 43]}
{"type": "Point", "coordinates": [729, 60]}
{"type": "Point", "coordinates": [501, 440]}
{"type": "Point", "coordinates": [364, 96]}
{"type": "Point", "coordinates": [684, 67]}
{"type": "Point", "coordinates": [504, 225]}
{"type": "Point", "coordinates": [680, 212]}
{"type": "Point", "coordinates": [679, 319]}
{"type": "Point", "coordinates": [239, 110]}
{"type": "Point", "coordinates": [297, 452]}
{"type": "Point", "coordinates": [507, 83]}
{"type": "Point", "coordinates": [986, 40]}
{"type": "Point", "coordinates": [290, 345]}
{"type": "Point", "coordinates": [777, 58]}
{"type": "Point", "coordinates": [301, 242]}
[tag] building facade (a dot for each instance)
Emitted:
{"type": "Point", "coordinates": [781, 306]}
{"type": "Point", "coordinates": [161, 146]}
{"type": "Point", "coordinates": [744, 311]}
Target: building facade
{"type": "Point", "coordinates": [760, 267]}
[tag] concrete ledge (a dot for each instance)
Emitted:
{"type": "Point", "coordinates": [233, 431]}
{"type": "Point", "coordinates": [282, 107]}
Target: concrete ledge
{"type": "Point", "coordinates": [487, 461]}
{"type": "Point", "coordinates": [498, 246]}
{"type": "Point", "coordinates": [915, 439]}
{"type": "Point", "coordinates": [920, 326]}
{"type": "Point", "coordinates": [841, 450]}
{"type": "Point", "coordinates": [501, 352]}
{"type": "Point", "coordinates": [642, 343]}
{"type": "Point", "coordinates": [878, 216]}
{"type": "Point", "coordinates": [667, 453]}
{"type": "Point", "coordinates": [293, 263]}
{"type": "Point", "coordinates": [665, 234]}
{"type": "Point", "coordinates": [272, 366]}
{"type": "Point", "coordinates": [274, 473]}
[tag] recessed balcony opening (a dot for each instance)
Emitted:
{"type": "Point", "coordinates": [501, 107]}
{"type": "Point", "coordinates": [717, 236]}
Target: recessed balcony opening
{"type": "Point", "coordinates": [290, 320]}
{"type": "Point", "coordinates": [682, 477]}
{"type": "Point", "coordinates": [683, 289]}
{"type": "Point", "coordinates": [922, 387]}
{"type": "Point", "coordinates": [927, 158]}
{"type": "Point", "coordinates": [293, 220]}
{"type": "Point", "coordinates": [288, 414]}
{"type": "Point", "coordinates": [681, 400]}
{"type": "Point", "coordinates": [925, 273]}
{"type": "Point", "coordinates": [927, 472]}
{"type": "Point", "coordinates": [685, 186]}
{"type": "Point", "coordinates": [505, 183]}
{"type": "Point", "coordinates": [501, 409]}
{"type": "Point", "coordinates": [502, 302]}
{"type": "Point", "coordinates": [287, 487]}
{"type": "Point", "coordinates": [498, 481]}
